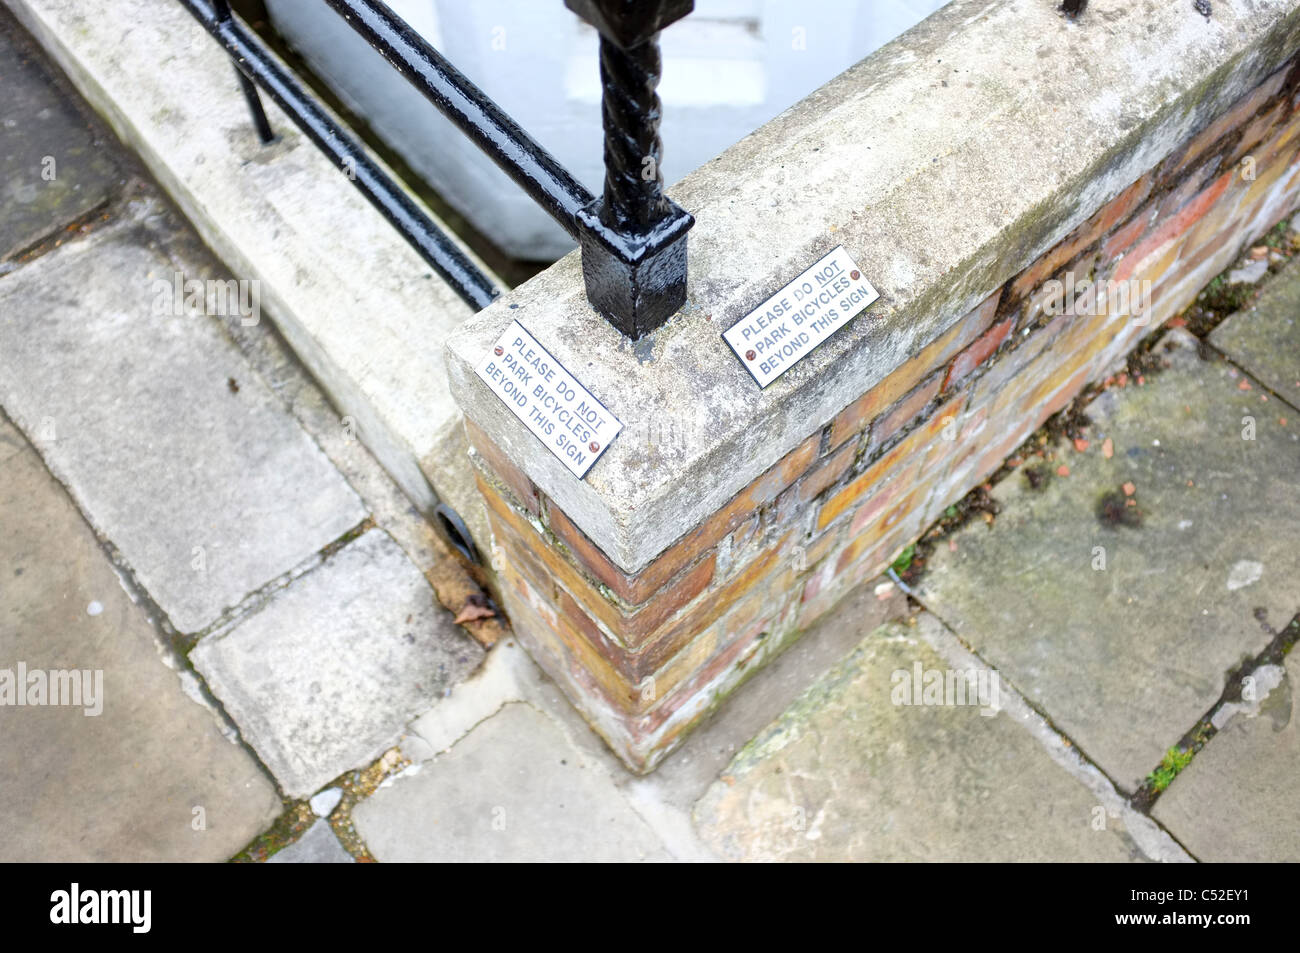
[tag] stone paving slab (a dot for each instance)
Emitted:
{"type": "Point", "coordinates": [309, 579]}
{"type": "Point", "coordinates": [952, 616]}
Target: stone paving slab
{"type": "Point", "coordinates": [848, 774]}
{"type": "Point", "coordinates": [514, 789]}
{"type": "Point", "coordinates": [1125, 659]}
{"type": "Point", "coordinates": [1237, 800]}
{"type": "Point", "coordinates": [317, 846]}
{"type": "Point", "coordinates": [326, 675]}
{"type": "Point", "coordinates": [173, 447]}
{"type": "Point", "coordinates": [54, 168]}
{"type": "Point", "coordinates": [123, 785]}
{"type": "Point", "coordinates": [1265, 339]}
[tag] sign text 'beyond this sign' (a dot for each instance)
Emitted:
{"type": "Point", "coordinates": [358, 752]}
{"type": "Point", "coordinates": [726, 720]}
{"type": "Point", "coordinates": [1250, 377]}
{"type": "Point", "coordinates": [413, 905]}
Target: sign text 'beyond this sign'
{"type": "Point", "coordinates": [575, 426]}
{"type": "Point", "coordinates": [786, 327]}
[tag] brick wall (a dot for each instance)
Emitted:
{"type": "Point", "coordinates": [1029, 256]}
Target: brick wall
{"type": "Point", "coordinates": [644, 656]}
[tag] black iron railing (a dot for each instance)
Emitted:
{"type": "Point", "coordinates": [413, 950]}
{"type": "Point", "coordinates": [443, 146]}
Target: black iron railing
{"type": "Point", "coordinates": [633, 237]}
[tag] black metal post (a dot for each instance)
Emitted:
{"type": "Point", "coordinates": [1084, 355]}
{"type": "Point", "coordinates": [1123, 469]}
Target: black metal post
{"type": "Point", "coordinates": [634, 237]}
{"type": "Point", "coordinates": [221, 9]}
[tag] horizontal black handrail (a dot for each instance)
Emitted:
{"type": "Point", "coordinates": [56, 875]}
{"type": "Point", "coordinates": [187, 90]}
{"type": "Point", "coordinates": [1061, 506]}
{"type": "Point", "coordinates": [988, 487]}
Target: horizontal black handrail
{"type": "Point", "coordinates": [257, 64]}
{"type": "Point", "coordinates": [534, 169]}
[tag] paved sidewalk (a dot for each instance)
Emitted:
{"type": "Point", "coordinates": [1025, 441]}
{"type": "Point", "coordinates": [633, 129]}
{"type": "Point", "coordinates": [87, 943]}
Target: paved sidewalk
{"type": "Point", "coordinates": [186, 517]}
{"type": "Point", "coordinates": [150, 777]}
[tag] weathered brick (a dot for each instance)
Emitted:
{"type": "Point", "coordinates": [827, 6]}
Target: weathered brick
{"type": "Point", "coordinates": [1259, 129]}
{"type": "Point", "coordinates": [1239, 113]}
{"type": "Point", "coordinates": [877, 503]}
{"type": "Point", "coordinates": [505, 471]}
{"type": "Point", "coordinates": [586, 643]}
{"type": "Point", "coordinates": [629, 628]}
{"type": "Point", "coordinates": [1122, 207]}
{"type": "Point", "coordinates": [1155, 247]}
{"type": "Point", "coordinates": [534, 619]}
{"type": "Point", "coordinates": [1010, 364]}
{"type": "Point", "coordinates": [901, 462]}
{"type": "Point", "coordinates": [692, 658]}
{"type": "Point", "coordinates": [681, 630]}
{"type": "Point", "coordinates": [869, 481]}
{"type": "Point", "coordinates": [1125, 237]}
{"type": "Point", "coordinates": [1269, 174]}
{"type": "Point", "coordinates": [744, 621]}
{"type": "Point", "coordinates": [977, 353]}
{"type": "Point", "coordinates": [734, 655]}
{"type": "Point", "coordinates": [906, 410]}
{"type": "Point", "coordinates": [636, 588]}
{"type": "Point", "coordinates": [882, 523]}
{"type": "Point", "coordinates": [827, 472]}
{"type": "Point", "coordinates": [818, 549]}
{"type": "Point", "coordinates": [874, 559]}
{"type": "Point", "coordinates": [1219, 219]}
{"type": "Point", "coordinates": [855, 418]}
{"type": "Point", "coordinates": [1187, 189]}
{"type": "Point", "coordinates": [742, 535]}
{"type": "Point", "coordinates": [1074, 244]}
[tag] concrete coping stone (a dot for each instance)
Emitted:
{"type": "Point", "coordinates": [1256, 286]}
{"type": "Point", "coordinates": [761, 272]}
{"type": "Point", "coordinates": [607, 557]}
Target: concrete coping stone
{"type": "Point", "coordinates": [944, 163]}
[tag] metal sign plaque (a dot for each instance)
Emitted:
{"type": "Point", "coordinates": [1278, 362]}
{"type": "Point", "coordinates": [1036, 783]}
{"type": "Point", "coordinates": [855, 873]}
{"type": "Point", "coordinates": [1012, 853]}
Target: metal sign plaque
{"type": "Point", "coordinates": [575, 426]}
{"type": "Point", "coordinates": [785, 328]}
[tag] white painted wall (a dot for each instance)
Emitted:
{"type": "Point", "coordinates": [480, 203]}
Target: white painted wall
{"type": "Point", "coordinates": [728, 68]}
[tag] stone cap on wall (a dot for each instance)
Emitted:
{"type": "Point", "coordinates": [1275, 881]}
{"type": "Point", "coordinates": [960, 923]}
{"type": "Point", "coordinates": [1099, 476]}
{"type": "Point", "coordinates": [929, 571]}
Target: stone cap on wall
{"type": "Point", "coordinates": [943, 163]}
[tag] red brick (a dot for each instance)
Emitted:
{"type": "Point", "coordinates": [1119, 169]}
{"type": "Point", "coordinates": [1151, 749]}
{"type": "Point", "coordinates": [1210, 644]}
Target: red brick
{"type": "Point", "coordinates": [505, 471]}
{"type": "Point", "coordinates": [630, 628]}
{"type": "Point", "coordinates": [1122, 206]}
{"type": "Point", "coordinates": [855, 418]}
{"type": "Point", "coordinates": [1075, 243]}
{"type": "Point", "coordinates": [871, 555]}
{"type": "Point", "coordinates": [906, 410]}
{"type": "Point", "coordinates": [1123, 239]}
{"type": "Point", "coordinates": [1239, 113]}
{"type": "Point", "coordinates": [638, 587]}
{"type": "Point", "coordinates": [827, 472]}
{"type": "Point", "coordinates": [903, 461]}
{"type": "Point", "coordinates": [975, 355]}
{"type": "Point", "coordinates": [878, 503]}
{"type": "Point", "coordinates": [768, 573]}
{"type": "Point", "coordinates": [1260, 128]}
{"type": "Point", "coordinates": [733, 656]}
{"type": "Point", "coordinates": [1174, 227]}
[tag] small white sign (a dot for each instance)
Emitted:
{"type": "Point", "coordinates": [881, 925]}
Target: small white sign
{"type": "Point", "coordinates": [786, 327]}
{"type": "Point", "coordinates": [575, 426]}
